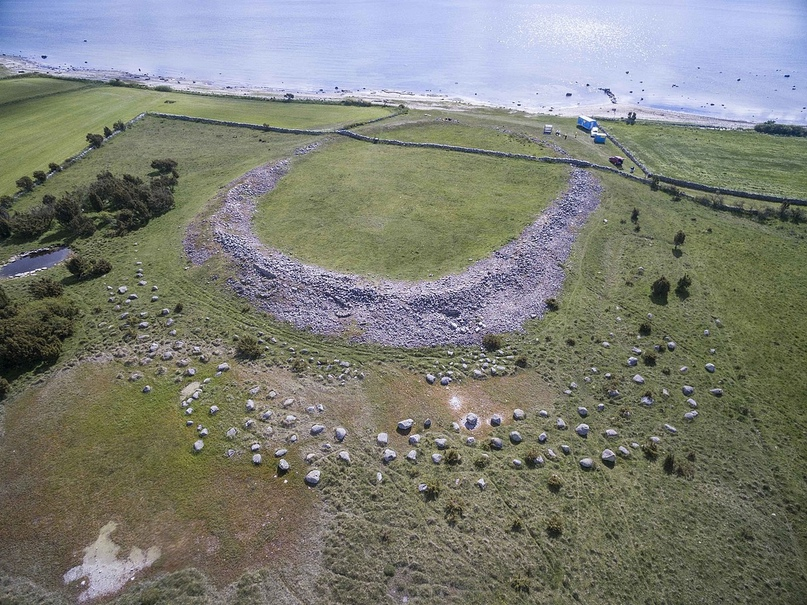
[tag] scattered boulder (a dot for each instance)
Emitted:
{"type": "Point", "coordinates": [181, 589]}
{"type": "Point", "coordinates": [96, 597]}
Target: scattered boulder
{"type": "Point", "coordinates": [586, 464]}
{"type": "Point", "coordinates": [691, 415]}
{"type": "Point", "coordinates": [716, 392]}
{"type": "Point", "coordinates": [517, 463]}
{"type": "Point", "coordinates": [687, 390]}
{"type": "Point", "coordinates": [671, 345]}
{"type": "Point", "coordinates": [542, 438]}
{"type": "Point", "coordinates": [670, 429]}
{"type": "Point", "coordinates": [412, 456]}
{"type": "Point", "coordinates": [317, 429]}
{"type": "Point", "coordinates": [481, 484]}
{"type": "Point", "coordinates": [437, 458]}
{"type": "Point", "coordinates": [340, 433]}
{"type": "Point", "coordinates": [469, 441]}
{"type": "Point", "coordinates": [710, 367]}
{"type": "Point", "coordinates": [496, 443]}
{"type": "Point", "coordinates": [550, 453]}
{"type": "Point", "coordinates": [313, 477]}
{"type": "Point", "coordinates": [624, 452]}
{"type": "Point", "coordinates": [430, 378]}
{"type": "Point", "coordinates": [495, 420]}
{"type": "Point", "coordinates": [515, 437]}
{"type": "Point", "coordinates": [289, 421]}
{"type": "Point", "coordinates": [427, 424]}
{"type": "Point", "coordinates": [646, 401]}
{"type": "Point", "coordinates": [281, 452]}
{"type": "Point", "coordinates": [344, 456]}
{"type": "Point", "coordinates": [257, 459]}
{"type": "Point", "coordinates": [445, 381]}
{"type": "Point", "coordinates": [283, 466]}
{"type": "Point", "coordinates": [683, 369]}
{"type": "Point", "coordinates": [561, 424]}
{"type": "Point", "coordinates": [231, 432]}
{"type": "Point", "coordinates": [582, 411]}
{"type": "Point", "coordinates": [389, 455]}
{"type": "Point", "coordinates": [518, 414]}
{"type": "Point", "coordinates": [471, 421]}
{"type": "Point", "coordinates": [582, 429]}
{"type": "Point", "coordinates": [414, 439]}
{"type": "Point", "coordinates": [223, 367]}
{"type": "Point", "coordinates": [198, 445]}
{"type": "Point", "coordinates": [638, 379]}
{"type": "Point", "coordinates": [405, 425]}
{"type": "Point", "coordinates": [382, 439]}
{"type": "Point", "coordinates": [565, 449]}
{"type": "Point", "coordinates": [250, 405]}
{"type": "Point", "coordinates": [692, 403]}
{"type": "Point", "coordinates": [632, 361]}
{"type": "Point", "coordinates": [441, 443]}
{"type": "Point", "coordinates": [611, 433]}
{"type": "Point", "coordinates": [147, 389]}
{"type": "Point", "coordinates": [608, 456]}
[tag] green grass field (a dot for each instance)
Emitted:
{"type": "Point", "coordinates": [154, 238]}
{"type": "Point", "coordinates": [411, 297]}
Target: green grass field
{"type": "Point", "coordinates": [52, 125]}
{"type": "Point", "coordinates": [736, 159]}
{"type": "Point", "coordinates": [402, 213]}
{"type": "Point", "coordinates": [83, 445]}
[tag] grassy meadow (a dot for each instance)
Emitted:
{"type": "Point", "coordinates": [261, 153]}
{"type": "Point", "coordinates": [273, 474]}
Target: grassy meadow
{"type": "Point", "coordinates": [718, 514]}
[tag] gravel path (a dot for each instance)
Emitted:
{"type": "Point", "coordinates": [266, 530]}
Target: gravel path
{"type": "Point", "coordinates": [496, 294]}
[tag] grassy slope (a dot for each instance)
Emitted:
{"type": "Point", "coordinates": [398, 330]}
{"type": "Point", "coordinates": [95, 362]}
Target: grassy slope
{"type": "Point", "coordinates": [630, 533]}
{"type": "Point", "coordinates": [402, 213]}
{"type": "Point", "coordinates": [27, 130]}
{"type": "Point", "coordinates": [739, 159]}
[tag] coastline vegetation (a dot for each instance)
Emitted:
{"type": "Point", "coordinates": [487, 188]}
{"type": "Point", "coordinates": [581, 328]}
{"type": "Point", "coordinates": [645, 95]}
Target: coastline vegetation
{"type": "Point", "coordinates": [82, 443]}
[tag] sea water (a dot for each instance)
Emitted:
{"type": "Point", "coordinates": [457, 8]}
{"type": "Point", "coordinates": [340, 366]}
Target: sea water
{"type": "Point", "coordinates": [741, 59]}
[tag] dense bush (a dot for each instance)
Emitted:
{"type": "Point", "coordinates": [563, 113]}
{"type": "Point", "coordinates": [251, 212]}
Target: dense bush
{"type": "Point", "coordinates": [784, 130]}
{"type": "Point", "coordinates": [119, 125]}
{"type": "Point", "coordinates": [40, 176]}
{"type": "Point", "coordinates": [684, 283]}
{"type": "Point", "coordinates": [35, 333]}
{"type": "Point", "coordinates": [33, 223]}
{"type": "Point", "coordinates": [5, 387]}
{"type": "Point", "coordinates": [679, 239]}
{"type": "Point", "coordinates": [4, 300]}
{"type": "Point", "coordinates": [249, 347]}
{"type": "Point", "coordinates": [554, 482]}
{"type": "Point", "coordinates": [95, 140]}
{"type": "Point", "coordinates": [552, 304]}
{"type": "Point", "coordinates": [164, 166]}
{"type": "Point", "coordinates": [54, 167]}
{"type": "Point", "coordinates": [6, 201]}
{"type": "Point", "coordinates": [554, 525]}
{"type": "Point", "coordinates": [45, 288]}
{"type": "Point", "coordinates": [26, 183]}
{"type": "Point", "coordinates": [492, 342]}
{"type": "Point", "coordinates": [660, 287]}
{"type": "Point", "coordinates": [107, 131]}
{"type": "Point", "coordinates": [85, 268]}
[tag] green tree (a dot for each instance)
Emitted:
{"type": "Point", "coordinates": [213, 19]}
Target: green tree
{"type": "Point", "coordinates": [119, 125]}
{"type": "Point", "coordinates": [26, 183]}
{"type": "Point", "coordinates": [33, 223]}
{"type": "Point", "coordinates": [679, 238]}
{"type": "Point", "coordinates": [45, 288]}
{"type": "Point", "coordinates": [682, 289]}
{"type": "Point", "coordinates": [54, 167]}
{"type": "Point", "coordinates": [164, 166]}
{"type": "Point", "coordinates": [6, 201]}
{"type": "Point", "coordinates": [40, 176]}
{"type": "Point", "coordinates": [95, 140]}
{"type": "Point", "coordinates": [660, 287]}
{"type": "Point", "coordinates": [4, 300]}
{"type": "Point", "coordinates": [107, 131]}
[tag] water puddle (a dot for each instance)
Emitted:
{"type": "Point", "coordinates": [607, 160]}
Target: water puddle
{"type": "Point", "coordinates": [33, 261]}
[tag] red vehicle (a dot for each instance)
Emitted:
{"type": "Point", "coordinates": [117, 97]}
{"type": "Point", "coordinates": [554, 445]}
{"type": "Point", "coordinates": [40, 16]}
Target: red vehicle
{"type": "Point", "coordinates": [616, 160]}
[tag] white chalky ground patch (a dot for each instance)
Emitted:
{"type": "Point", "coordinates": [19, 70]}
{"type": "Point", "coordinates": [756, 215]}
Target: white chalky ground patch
{"type": "Point", "coordinates": [106, 573]}
{"type": "Point", "coordinates": [455, 402]}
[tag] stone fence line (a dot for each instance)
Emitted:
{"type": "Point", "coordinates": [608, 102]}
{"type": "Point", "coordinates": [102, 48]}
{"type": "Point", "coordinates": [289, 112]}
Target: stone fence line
{"type": "Point", "coordinates": [346, 132]}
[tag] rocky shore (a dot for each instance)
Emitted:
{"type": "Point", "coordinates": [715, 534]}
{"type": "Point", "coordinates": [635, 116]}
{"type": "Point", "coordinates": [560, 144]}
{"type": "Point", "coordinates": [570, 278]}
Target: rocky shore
{"type": "Point", "coordinates": [496, 294]}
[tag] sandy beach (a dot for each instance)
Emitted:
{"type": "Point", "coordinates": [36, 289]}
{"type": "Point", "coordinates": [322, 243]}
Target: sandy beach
{"type": "Point", "coordinates": [604, 109]}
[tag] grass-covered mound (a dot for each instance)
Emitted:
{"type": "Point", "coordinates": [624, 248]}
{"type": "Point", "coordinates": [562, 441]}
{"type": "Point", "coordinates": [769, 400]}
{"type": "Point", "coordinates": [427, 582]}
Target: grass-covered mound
{"type": "Point", "coordinates": [402, 213]}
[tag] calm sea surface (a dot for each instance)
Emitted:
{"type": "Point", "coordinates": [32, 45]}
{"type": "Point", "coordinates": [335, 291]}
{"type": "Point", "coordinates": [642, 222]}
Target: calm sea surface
{"type": "Point", "coordinates": [725, 58]}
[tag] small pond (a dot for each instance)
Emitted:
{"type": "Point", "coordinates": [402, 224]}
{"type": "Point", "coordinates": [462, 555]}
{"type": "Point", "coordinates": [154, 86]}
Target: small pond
{"type": "Point", "coordinates": [34, 261]}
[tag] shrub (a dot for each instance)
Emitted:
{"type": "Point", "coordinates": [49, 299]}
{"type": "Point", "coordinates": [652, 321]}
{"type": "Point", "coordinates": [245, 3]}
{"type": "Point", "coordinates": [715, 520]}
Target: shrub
{"type": "Point", "coordinates": [249, 348]}
{"type": "Point", "coordinates": [453, 457]}
{"type": "Point", "coordinates": [679, 239]}
{"type": "Point", "coordinates": [40, 176]}
{"type": "Point", "coordinates": [552, 304]}
{"type": "Point", "coordinates": [165, 166]}
{"type": "Point", "coordinates": [634, 216]}
{"type": "Point", "coordinates": [554, 525]}
{"type": "Point", "coordinates": [481, 462]}
{"type": "Point", "coordinates": [649, 358]}
{"type": "Point", "coordinates": [645, 328]}
{"type": "Point", "coordinates": [54, 167]}
{"type": "Point", "coordinates": [26, 183]}
{"type": "Point", "coordinates": [492, 342]}
{"type": "Point", "coordinates": [100, 266]}
{"type": "Point", "coordinates": [521, 361]}
{"type": "Point", "coordinates": [6, 201]}
{"type": "Point", "coordinates": [660, 287]}
{"type": "Point", "coordinates": [178, 307]}
{"type": "Point", "coordinates": [554, 482]}
{"type": "Point", "coordinates": [432, 491]}
{"type": "Point", "coordinates": [45, 288]}
{"type": "Point", "coordinates": [683, 285]}
{"type": "Point", "coordinates": [77, 265]}
{"type": "Point", "coordinates": [454, 510]}
{"type": "Point", "coordinates": [119, 125]}
{"type": "Point", "coordinates": [5, 387]}
{"type": "Point", "coordinates": [95, 140]}
{"type": "Point", "coordinates": [107, 131]}
{"type": "Point", "coordinates": [650, 450]}
{"type": "Point", "coordinates": [33, 223]}
{"type": "Point", "coordinates": [48, 200]}
{"type": "Point", "coordinates": [520, 584]}
{"type": "Point", "coordinates": [35, 333]}
{"type": "Point", "coordinates": [163, 88]}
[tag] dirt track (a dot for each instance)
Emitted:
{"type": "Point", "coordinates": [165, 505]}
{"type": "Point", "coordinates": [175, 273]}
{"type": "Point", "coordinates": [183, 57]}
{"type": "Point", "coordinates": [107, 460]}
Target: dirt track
{"type": "Point", "coordinates": [496, 294]}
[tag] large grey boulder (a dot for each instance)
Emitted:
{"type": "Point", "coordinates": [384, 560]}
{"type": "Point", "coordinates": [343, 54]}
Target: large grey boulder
{"type": "Point", "coordinates": [710, 367]}
{"type": "Point", "coordinates": [382, 439]}
{"type": "Point", "coordinates": [586, 464]}
{"type": "Point", "coordinates": [414, 439]}
{"type": "Point", "coordinates": [389, 455]}
{"type": "Point", "coordinates": [283, 465]}
{"type": "Point", "coordinates": [313, 477]}
{"type": "Point", "coordinates": [317, 429]}
{"type": "Point", "coordinates": [583, 411]}
{"type": "Point", "coordinates": [437, 458]}
{"type": "Point", "coordinates": [340, 433]}
{"type": "Point", "coordinates": [405, 425]}
{"type": "Point", "coordinates": [670, 429]}
{"type": "Point", "coordinates": [611, 433]}
{"type": "Point", "coordinates": [518, 414]}
{"type": "Point", "coordinates": [441, 443]}
{"type": "Point", "coordinates": [561, 424]}
{"type": "Point", "coordinates": [515, 437]}
{"type": "Point", "coordinates": [344, 456]}
{"type": "Point", "coordinates": [496, 443]}
{"type": "Point", "coordinates": [638, 379]}
{"type": "Point", "coordinates": [223, 367]}
{"type": "Point", "coordinates": [198, 445]}
{"type": "Point", "coordinates": [430, 378]}
{"type": "Point", "coordinates": [257, 459]}
{"type": "Point", "coordinates": [495, 420]}
{"type": "Point", "coordinates": [608, 456]}
{"type": "Point", "coordinates": [412, 456]}
{"type": "Point", "coordinates": [471, 421]}
{"type": "Point", "coordinates": [582, 429]}
{"type": "Point", "coordinates": [445, 381]}
{"type": "Point", "coordinates": [716, 392]}
{"type": "Point", "coordinates": [687, 390]}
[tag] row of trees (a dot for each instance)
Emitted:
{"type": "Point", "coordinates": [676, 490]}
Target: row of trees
{"type": "Point", "coordinates": [133, 201]}
{"type": "Point", "coordinates": [785, 130]}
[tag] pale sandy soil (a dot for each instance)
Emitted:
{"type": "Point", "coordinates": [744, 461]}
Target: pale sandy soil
{"type": "Point", "coordinates": [604, 109]}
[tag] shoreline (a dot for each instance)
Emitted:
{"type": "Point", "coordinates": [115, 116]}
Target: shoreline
{"type": "Point", "coordinates": [603, 110]}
